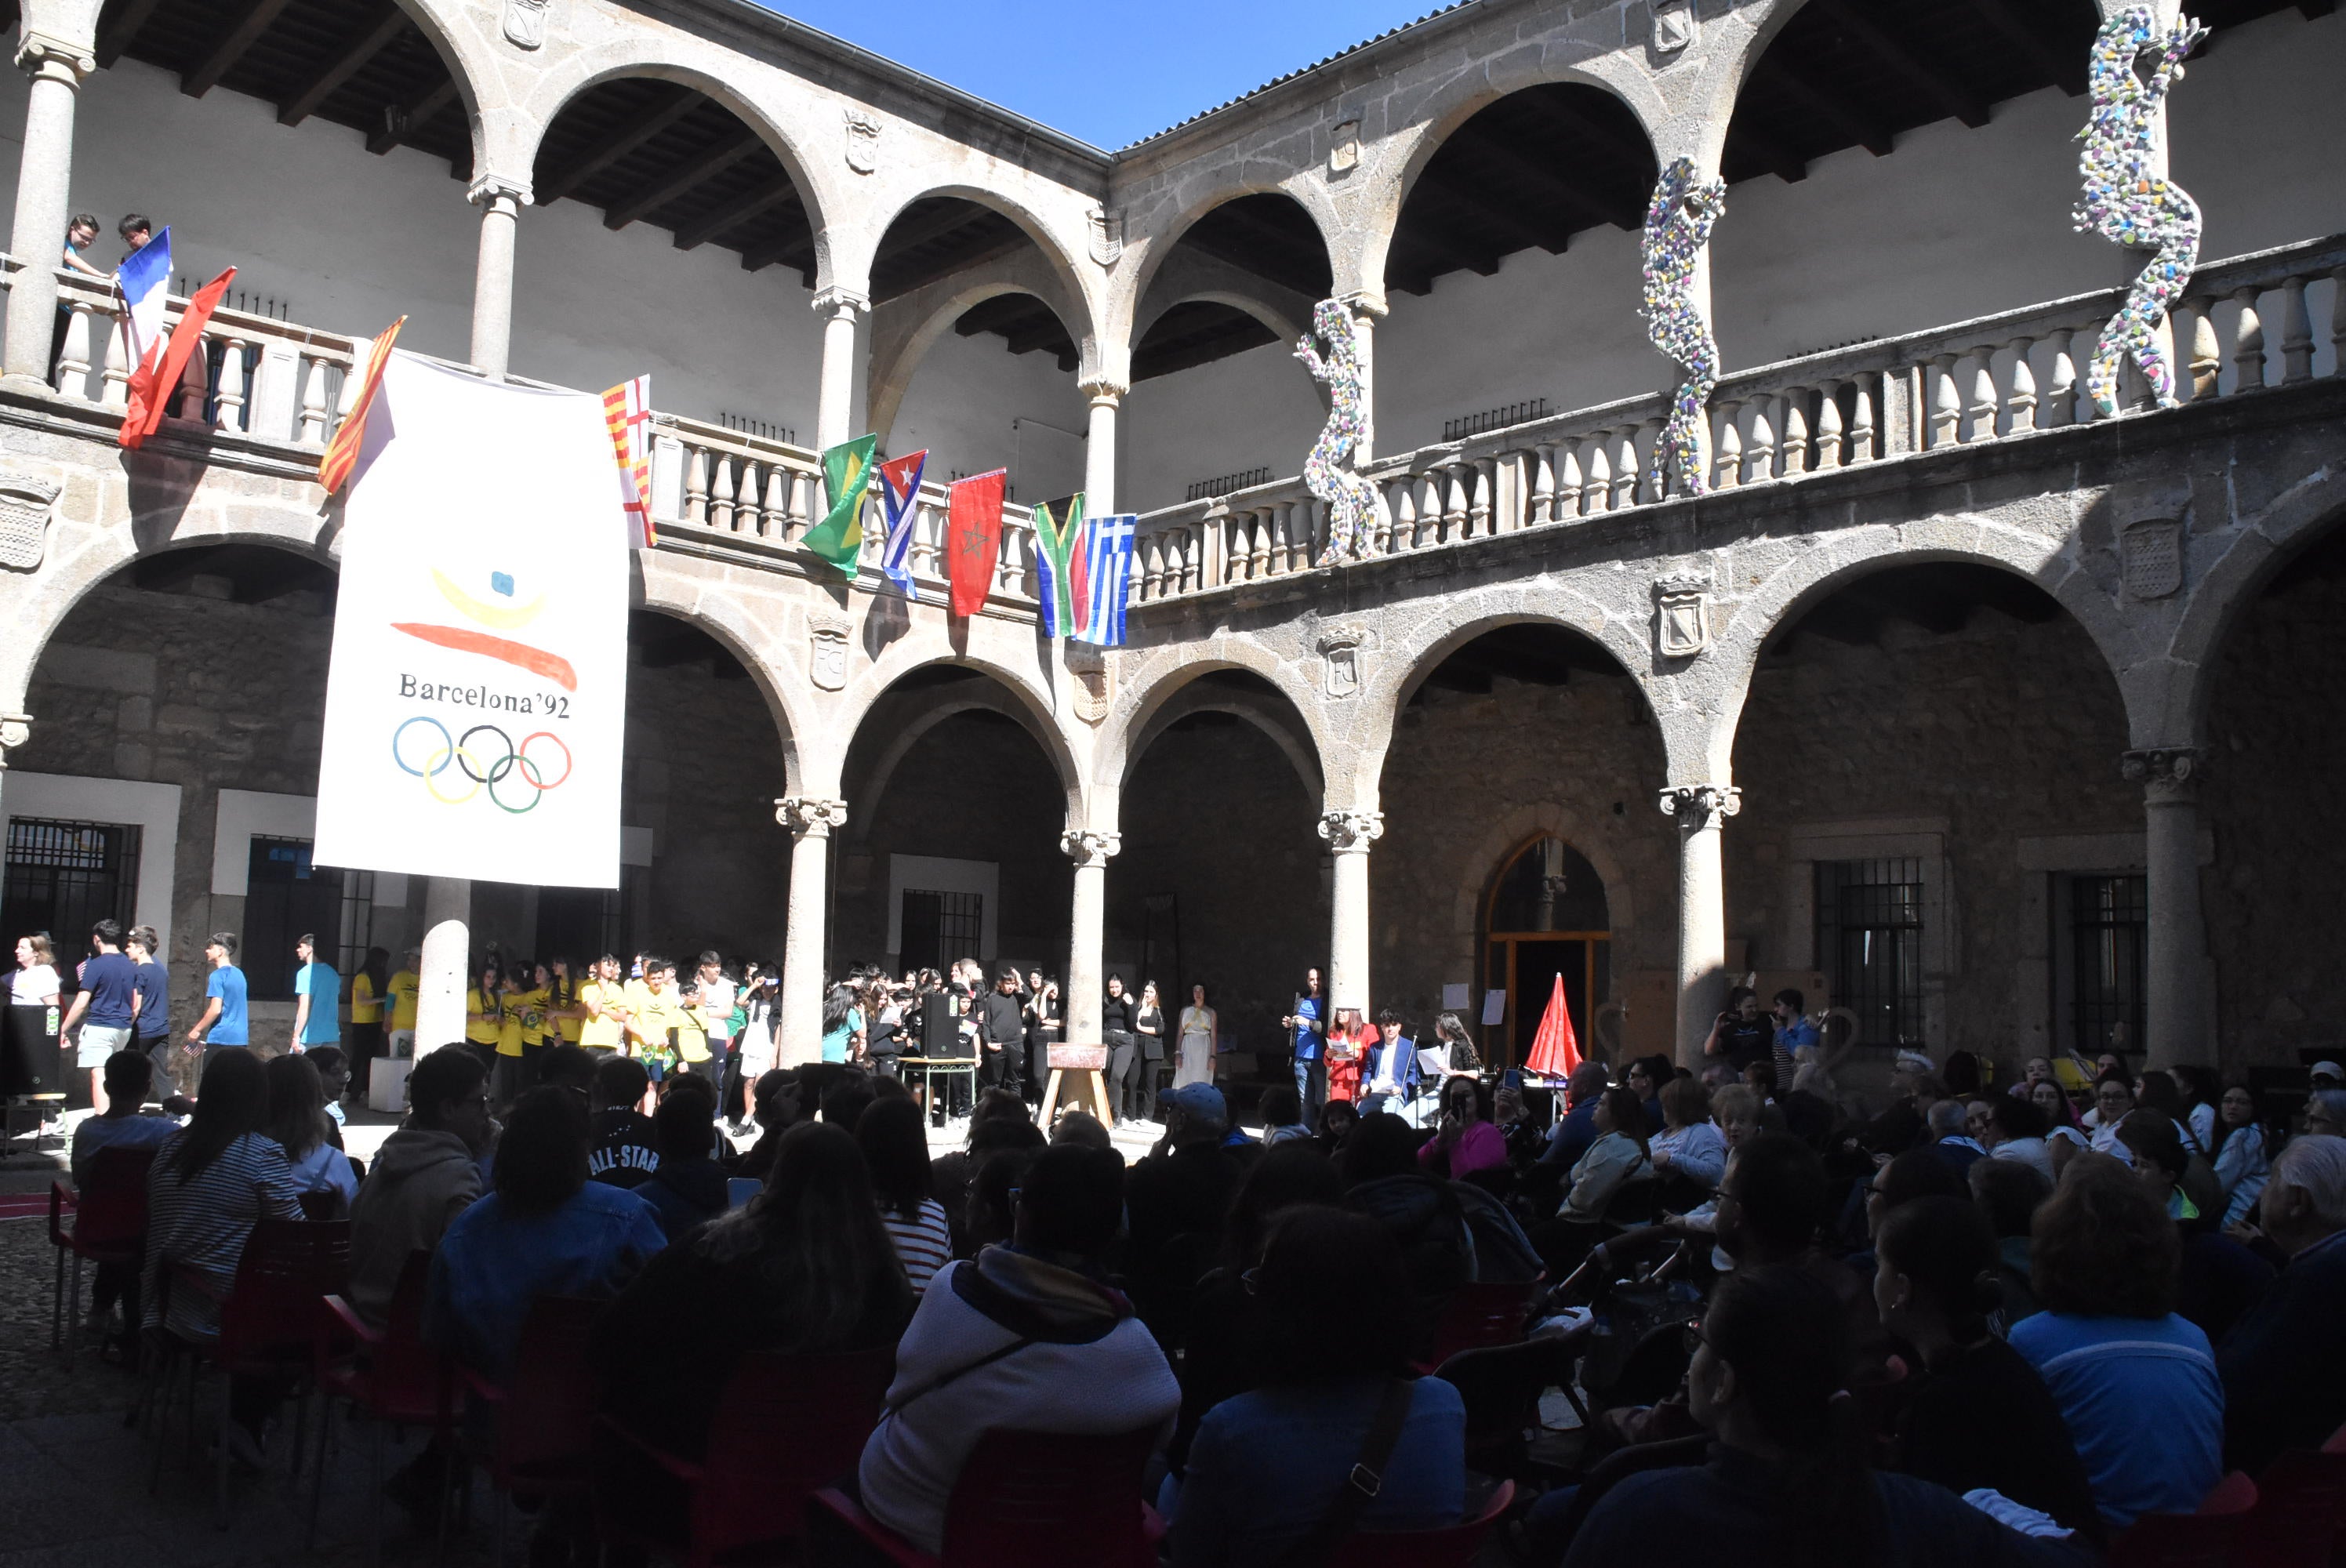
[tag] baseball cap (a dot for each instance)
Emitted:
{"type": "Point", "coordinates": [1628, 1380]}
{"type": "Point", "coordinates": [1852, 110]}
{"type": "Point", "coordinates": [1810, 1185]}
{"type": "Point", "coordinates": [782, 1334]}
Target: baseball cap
{"type": "Point", "coordinates": [1202, 1100]}
{"type": "Point", "coordinates": [2329, 1070]}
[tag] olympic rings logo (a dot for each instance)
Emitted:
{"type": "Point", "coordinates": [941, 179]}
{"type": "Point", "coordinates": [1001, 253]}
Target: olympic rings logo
{"type": "Point", "coordinates": [482, 768]}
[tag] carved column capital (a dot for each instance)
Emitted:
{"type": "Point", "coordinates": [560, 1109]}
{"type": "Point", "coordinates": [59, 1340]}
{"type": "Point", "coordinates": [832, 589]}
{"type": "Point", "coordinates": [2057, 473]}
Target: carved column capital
{"type": "Point", "coordinates": [2167, 773]}
{"type": "Point", "coordinates": [1103, 392]}
{"type": "Point", "coordinates": [1352, 833]}
{"type": "Point", "coordinates": [1700, 806]}
{"type": "Point", "coordinates": [1088, 848]}
{"type": "Point", "coordinates": [39, 55]}
{"type": "Point", "coordinates": [1366, 304]}
{"type": "Point", "coordinates": [808, 817]}
{"type": "Point", "coordinates": [16, 728]}
{"type": "Point", "coordinates": [837, 301]}
{"type": "Point", "coordinates": [491, 191]}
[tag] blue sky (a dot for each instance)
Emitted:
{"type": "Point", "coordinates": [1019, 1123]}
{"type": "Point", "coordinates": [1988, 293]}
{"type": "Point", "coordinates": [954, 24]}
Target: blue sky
{"type": "Point", "coordinates": [1109, 71]}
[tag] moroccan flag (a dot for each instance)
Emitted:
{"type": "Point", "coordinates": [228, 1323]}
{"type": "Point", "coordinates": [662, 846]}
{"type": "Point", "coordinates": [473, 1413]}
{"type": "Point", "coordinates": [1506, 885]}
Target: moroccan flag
{"type": "Point", "coordinates": [627, 415]}
{"type": "Point", "coordinates": [1554, 1052]}
{"type": "Point", "coordinates": [158, 376]}
{"type": "Point", "coordinates": [974, 537]}
{"type": "Point", "coordinates": [342, 452]}
{"type": "Point", "coordinates": [1060, 557]}
{"type": "Point", "coordinates": [900, 488]}
{"type": "Point", "coordinates": [846, 475]}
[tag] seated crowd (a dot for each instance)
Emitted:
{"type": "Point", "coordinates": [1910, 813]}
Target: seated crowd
{"type": "Point", "coordinates": [1969, 1328]}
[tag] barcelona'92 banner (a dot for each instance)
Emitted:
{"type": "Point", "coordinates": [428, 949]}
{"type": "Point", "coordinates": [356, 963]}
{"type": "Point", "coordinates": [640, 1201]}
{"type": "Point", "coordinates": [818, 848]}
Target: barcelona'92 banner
{"type": "Point", "coordinates": [478, 700]}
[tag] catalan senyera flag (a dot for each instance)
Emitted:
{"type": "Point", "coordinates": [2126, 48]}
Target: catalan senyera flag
{"type": "Point", "coordinates": [1060, 558]}
{"type": "Point", "coordinates": [627, 415]}
{"type": "Point", "coordinates": [342, 452]}
{"type": "Point", "coordinates": [1554, 1051]}
{"type": "Point", "coordinates": [152, 384]}
{"type": "Point", "coordinates": [974, 537]}
{"type": "Point", "coordinates": [846, 476]}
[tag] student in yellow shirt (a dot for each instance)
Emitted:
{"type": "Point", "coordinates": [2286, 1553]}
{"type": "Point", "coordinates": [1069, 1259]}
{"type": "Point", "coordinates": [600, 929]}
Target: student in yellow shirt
{"type": "Point", "coordinates": [565, 1017]}
{"type": "Point", "coordinates": [603, 1008]}
{"type": "Point", "coordinates": [485, 1012]}
{"type": "Point", "coordinates": [402, 989]}
{"type": "Point", "coordinates": [367, 989]}
{"type": "Point", "coordinates": [526, 1019]}
{"type": "Point", "coordinates": [655, 1021]}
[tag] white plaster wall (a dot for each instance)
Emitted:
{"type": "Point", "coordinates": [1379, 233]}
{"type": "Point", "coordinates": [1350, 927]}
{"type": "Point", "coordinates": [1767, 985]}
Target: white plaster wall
{"type": "Point", "coordinates": [350, 240]}
{"type": "Point", "coordinates": [1254, 410]}
{"type": "Point", "coordinates": [965, 405]}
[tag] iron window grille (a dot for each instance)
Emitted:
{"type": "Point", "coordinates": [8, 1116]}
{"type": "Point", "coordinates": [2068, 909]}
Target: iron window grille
{"type": "Point", "coordinates": [285, 895]}
{"type": "Point", "coordinates": [939, 927]}
{"type": "Point", "coordinates": [63, 877]}
{"type": "Point", "coordinates": [1869, 943]}
{"type": "Point", "coordinates": [2109, 942]}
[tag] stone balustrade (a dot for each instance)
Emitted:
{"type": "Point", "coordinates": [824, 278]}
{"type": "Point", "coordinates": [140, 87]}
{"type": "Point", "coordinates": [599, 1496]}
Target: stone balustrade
{"type": "Point", "coordinates": [709, 479]}
{"type": "Point", "coordinates": [1996, 378]}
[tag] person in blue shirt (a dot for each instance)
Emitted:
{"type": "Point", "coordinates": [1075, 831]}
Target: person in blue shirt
{"type": "Point", "coordinates": [1793, 1031]}
{"type": "Point", "coordinates": [317, 998]}
{"type": "Point", "coordinates": [150, 1023]}
{"type": "Point", "coordinates": [546, 1230]}
{"type": "Point", "coordinates": [1308, 1028]}
{"type": "Point", "coordinates": [223, 1023]}
{"type": "Point", "coordinates": [102, 1008]}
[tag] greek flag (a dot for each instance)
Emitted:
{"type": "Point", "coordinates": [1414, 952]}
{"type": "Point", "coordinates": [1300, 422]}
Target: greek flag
{"type": "Point", "coordinates": [1109, 565]}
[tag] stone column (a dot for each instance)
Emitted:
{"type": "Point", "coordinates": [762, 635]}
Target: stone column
{"type": "Point", "coordinates": [2175, 967]}
{"type": "Point", "coordinates": [500, 201]}
{"type": "Point", "coordinates": [804, 945]}
{"type": "Point", "coordinates": [1367, 310]}
{"type": "Point", "coordinates": [1349, 836]}
{"type": "Point", "coordinates": [836, 416]}
{"type": "Point", "coordinates": [44, 197]}
{"type": "Point", "coordinates": [1086, 983]}
{"type": "Point", "coordinates": [441, 980]}
{"type": "Point", "coordinates": [1099, 447]}
{"type": "Point", "coordinates": [1701, 811]}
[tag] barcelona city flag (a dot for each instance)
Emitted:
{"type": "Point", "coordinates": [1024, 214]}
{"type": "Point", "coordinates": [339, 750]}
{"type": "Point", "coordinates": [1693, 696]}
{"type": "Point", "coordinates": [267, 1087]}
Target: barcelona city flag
{"type": "Point", "coordinates": [846, 476]}
{"type": "Point", "coordinates": [1554, 1052]}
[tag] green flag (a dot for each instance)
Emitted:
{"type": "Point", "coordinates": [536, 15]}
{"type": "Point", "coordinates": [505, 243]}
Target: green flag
{"type": "Point", "coordinates": [1055, 546]}
{"type": "Point", "coordinates": [846, 475]}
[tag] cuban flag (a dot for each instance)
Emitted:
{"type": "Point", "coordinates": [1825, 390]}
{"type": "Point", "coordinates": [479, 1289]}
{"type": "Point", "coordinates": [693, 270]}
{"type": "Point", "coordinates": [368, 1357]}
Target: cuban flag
{"type": "Point", "coordinates": [1107, 562]}
{"type": "Point", "coordinates": [900, 487]}
{"type": "Point", "coordinates": [145, 285]}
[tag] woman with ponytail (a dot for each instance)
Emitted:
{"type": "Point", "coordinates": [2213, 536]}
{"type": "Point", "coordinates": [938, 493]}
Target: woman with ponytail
{"type": "Point", "coordinates": [1786, 1483]}
{"type": "Point", "coordinates": [1976, 1413]}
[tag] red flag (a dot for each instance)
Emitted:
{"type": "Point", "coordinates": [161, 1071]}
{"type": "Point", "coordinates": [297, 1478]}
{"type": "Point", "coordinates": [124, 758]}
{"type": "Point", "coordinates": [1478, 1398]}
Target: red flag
{"type": "Point", "coordinates": [1554, 1052]}
{"type": "Point", "coordinates": [342, 452]}
{"type": "Point", "coordinates": [149, 391]}
{"type": "Point", "coordinates": [974, 538]}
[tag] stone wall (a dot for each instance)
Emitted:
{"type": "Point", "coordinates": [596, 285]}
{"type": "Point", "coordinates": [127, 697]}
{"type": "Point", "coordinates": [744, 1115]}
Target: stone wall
{"type": "Point", "coordinates": [2277, 746]}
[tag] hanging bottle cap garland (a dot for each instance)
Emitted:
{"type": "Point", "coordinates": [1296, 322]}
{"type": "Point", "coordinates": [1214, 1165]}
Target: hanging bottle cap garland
{"type": "Point", "coordinates": [1352, 500]}
{"type": "Point", "coordinates": [1677, 225]}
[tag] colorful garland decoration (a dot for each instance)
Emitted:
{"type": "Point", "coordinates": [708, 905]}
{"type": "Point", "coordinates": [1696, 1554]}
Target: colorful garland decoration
{"type": "Point", "coordinates": [2125, 200]}
{"type": "Point", "coordinates": [1677, 225]}
{"type": "Point", "coordinates": [1351, 499]}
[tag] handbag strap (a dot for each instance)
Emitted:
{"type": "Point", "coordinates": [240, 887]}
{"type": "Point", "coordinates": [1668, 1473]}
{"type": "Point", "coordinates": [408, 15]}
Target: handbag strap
{"type": "Point", "coordinates": [1362, 1486]}
{"type": "Point", "coordinates": [942, 1379]}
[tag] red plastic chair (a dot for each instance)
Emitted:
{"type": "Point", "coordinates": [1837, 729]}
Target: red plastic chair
{"type": "Point", "coordinates": [1025, 1498]}
{"type": "Point", "coordinates": [1453, 1546]}
{"type": "Point", "coordinates": [786, 1427]}
{"type": "Point", "coordinates": [110, 1226]}
{"type": "Point", "coordinates": [268, 1324]}
{"type": "Point", "coordinates": [1479, 1316]}
{"type": "Point", "coordinates": [2295, 1523]}
{"type": "Point", "coordinates": [395, 1377]}
{"type": "Point", "coordinates": [2200, 1540]}
{"type": "Point", "coordinates": [544, 1413]}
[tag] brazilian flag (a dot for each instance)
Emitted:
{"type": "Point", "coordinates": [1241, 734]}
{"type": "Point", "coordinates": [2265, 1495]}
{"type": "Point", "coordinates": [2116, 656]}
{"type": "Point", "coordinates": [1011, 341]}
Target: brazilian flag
{"type": "Point", "coordinates": [846, 475]}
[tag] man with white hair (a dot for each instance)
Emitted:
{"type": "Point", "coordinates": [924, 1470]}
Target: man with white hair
{"type": "Point", "coordinates": [2284, 1363]}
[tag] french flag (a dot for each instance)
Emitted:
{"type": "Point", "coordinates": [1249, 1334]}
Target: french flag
{"type": "Point", "coordinates": [159, 357]}
{"type": "Point", "coordinates": [145, 282]}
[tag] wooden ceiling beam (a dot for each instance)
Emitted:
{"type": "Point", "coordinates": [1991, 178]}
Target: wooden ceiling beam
{"type": "Point", "coordinates": [1041, 331]}
{"type": "Point", "coordinates": [904, 236]}
{"type": "Point", "coordinates": [1630, 149]}
{"type": "Point", "coordinates": [401, 121]}
{"type": "Point", "coordinates": [2065, 71]}
{"type": "Point", "coordinates": [1770, 154]}
{"type": "Point", "coordinates": [1864, 129]}
{"type": "Point", "coordinates": [1554, 184]}
{"type": "Point", "coordinates": [389, 22]}
{"type": "Point", "coordinates": [630, 135]}
{"type": "Point", "coordinates": [947, 266]}
{"type": "Point", "coordinates": [1959, 101]}
{"type": "Point", "coordinates": [765, 199]}
{"type": "Point", "coordinates": [691, 178]}
{"type": "Point", "coordinates": [134, 17]}
{"type": "Point", "coordinates": [247, 32]}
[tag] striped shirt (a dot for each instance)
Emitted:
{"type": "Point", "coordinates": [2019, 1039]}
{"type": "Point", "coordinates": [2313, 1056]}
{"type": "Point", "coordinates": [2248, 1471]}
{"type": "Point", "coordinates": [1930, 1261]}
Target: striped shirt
{"type": "Point", "coordinates": [924, 1244]}
{"type": "Point", "coordinates": [202, 1221]}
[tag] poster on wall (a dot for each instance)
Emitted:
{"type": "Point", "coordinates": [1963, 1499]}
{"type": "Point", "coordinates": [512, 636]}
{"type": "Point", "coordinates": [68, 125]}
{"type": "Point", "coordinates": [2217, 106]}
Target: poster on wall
{"type": "Point", "coordinates": [476, 702]}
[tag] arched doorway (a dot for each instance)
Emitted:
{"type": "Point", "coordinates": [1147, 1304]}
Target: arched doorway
{"type": "Point", "coordinates": [1546, 916]}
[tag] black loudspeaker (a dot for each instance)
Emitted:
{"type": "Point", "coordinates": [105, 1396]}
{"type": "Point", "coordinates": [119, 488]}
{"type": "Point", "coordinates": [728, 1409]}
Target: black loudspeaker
{"type": "Point", "coordinates": [29, 1052]}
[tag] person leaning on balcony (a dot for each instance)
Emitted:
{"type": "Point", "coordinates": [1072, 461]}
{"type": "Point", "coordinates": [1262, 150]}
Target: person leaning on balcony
{"type": "Point", "coordinates": [136, 230]}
